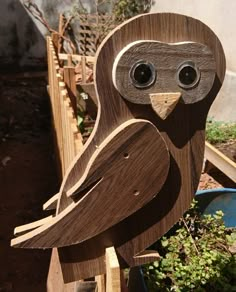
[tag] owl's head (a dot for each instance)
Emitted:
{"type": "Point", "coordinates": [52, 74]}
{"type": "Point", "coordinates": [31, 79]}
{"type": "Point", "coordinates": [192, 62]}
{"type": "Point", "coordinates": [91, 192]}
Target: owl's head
{"type": "Point", "coordinates": [164, 59]}
{"type": "Point", "coordinates": [160, 74]}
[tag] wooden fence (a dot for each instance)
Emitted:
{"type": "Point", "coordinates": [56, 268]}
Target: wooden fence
{"type": "Point", "coordinates": [67, 135]}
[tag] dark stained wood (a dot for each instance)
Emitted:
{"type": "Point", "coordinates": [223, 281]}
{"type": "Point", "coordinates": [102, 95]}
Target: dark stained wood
{"type": "Point", "coordinates": [182, 131]}
{"type": "Point", "coordinates": [166, 59]}
{"type": "Point", "coordinates": [131, 166]}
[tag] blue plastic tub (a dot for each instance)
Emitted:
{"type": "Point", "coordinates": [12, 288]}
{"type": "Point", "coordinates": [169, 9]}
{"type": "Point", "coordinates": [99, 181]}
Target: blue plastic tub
{"type": "Point", "coordinates": [213, 200]}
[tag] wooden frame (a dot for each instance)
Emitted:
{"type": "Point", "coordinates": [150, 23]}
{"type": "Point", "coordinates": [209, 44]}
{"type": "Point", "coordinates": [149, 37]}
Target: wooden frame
{"type": "Point", "coordinates": [222, 162]}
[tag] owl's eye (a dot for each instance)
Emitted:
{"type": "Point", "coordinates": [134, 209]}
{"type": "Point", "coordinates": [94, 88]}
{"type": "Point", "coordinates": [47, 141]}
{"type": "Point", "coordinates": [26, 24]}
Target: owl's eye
{"type": "Point", "coordinates": [142, 74]}
{"type": "Point", "coordinates": [188, 75]}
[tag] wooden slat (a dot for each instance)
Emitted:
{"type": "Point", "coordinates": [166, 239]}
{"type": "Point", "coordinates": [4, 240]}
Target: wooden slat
{"type": "Point", "coordinates": [222, 162]}
{"type": "Point", "coordinates": [101, 283]}
{"type": "Point", "coordinates": [77, 58]}
{"type": "Point", "coordinates": [69, 79]}
{"type": "Point", "coordinates": [67, 135]}
{"type": "Point", "coordinates": [113, 281]}
{"type": "Point", "coordinates": [55, 281]}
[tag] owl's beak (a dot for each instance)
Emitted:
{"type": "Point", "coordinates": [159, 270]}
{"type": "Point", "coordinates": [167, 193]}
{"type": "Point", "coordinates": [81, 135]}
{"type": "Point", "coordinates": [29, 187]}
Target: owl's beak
{"type": "Point", "coordinates": [164, 103]}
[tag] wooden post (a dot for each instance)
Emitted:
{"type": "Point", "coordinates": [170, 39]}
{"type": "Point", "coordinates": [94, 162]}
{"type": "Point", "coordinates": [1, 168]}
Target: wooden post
{"type": "Point", "coordinates": [83, 66]}
{"type": "Point", "coordinates": [69, 79]}
{"type": "Point", "coordinates": [101, 283]}
{"type": "Point", "coordinates": [69, 60]}
{"type": "Point", "coordinates": [55, 279]}
{"type": "Point", "coordinates": [60, 29]}
{"type": "Point", "coordinates": [113, 281]}
{"type": "Point", "coordinates": [55, 39]}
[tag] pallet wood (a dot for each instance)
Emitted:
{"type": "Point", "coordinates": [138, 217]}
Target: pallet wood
{"type": "Point", "coordinates": [186, 147]}
{"type": "Point", "coordinates": [222, 162]}
{"type": "Point", "coordinates": [166, 68]}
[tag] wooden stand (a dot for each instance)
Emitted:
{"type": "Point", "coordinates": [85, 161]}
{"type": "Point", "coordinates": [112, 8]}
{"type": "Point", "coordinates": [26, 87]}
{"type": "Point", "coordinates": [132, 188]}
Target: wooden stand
{"type": "Point", "coordinates": [111, 282]}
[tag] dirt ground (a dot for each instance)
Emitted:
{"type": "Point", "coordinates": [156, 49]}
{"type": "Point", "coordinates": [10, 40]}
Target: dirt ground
{"type": "Point", "coordinates": [228, 148]}
{"type": "Point", "coordinates": [28, 178]}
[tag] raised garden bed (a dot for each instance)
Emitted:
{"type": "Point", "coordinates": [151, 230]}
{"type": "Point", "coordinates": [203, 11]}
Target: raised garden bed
{"type": "Point", "coordinates": [221, 147]}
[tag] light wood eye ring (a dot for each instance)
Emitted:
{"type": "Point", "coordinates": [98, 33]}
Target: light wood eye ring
{"type": "Point", "coordinates": [188, 75]}
{"type": "Point", "coordinates": [142, 74]}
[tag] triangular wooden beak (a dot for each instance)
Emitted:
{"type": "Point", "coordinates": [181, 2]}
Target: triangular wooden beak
{"type": "Point", "coordinates": [164, 103]}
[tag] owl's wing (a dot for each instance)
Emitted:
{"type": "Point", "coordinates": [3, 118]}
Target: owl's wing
{"type": "Point", "coordinates": [126, 172]}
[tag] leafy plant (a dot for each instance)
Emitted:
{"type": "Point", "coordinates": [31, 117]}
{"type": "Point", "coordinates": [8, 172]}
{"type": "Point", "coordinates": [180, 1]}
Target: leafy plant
{"type": "Point", "coordinates": [196, 255]}
{"type": "Point", "coordinates": [125, 9]}
{"type": "Point", "coordinates": [220, 132]}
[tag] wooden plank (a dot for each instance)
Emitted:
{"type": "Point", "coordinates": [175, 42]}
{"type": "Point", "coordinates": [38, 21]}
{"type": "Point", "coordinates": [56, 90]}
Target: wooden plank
{"type": "Point", "coordinates": [69, 79]}
{"type": "Point", "coordinates": [83, 66]}
{"type": "Point", "coordinates": [113, 281]}
{"type": "Point", "coordinates": [132, 88]}
{"type": "Point", "coordinates": [69, 60]}
{"type": "Point", "coordinates": [89, 59]}
{"type": "Point", "coordinates": [89, 88]}
{"type": "Point", "coordinates": [55, 281]}
{"type": "Point", "coordinates": [222, 162]}
{"type": "Point", "coordinates": [55, 39]}
{"type": "Point", "coordinates": [101, 283]}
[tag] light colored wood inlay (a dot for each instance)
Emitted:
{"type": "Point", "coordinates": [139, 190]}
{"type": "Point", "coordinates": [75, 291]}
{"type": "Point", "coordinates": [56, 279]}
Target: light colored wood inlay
{"type": "Point", "coordinates": [164, 103]}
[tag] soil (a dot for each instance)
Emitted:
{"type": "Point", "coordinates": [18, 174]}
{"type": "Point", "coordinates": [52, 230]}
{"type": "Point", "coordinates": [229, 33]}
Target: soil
{"type": "Point", "coordinates": [27, 178]}
{"type": "Point", "coordinates": [228, 148]}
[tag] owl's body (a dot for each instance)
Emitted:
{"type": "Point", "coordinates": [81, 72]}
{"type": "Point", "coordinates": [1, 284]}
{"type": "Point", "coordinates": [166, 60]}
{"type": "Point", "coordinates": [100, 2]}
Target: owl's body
{"type": "Point", "coordinates": [156, 77]}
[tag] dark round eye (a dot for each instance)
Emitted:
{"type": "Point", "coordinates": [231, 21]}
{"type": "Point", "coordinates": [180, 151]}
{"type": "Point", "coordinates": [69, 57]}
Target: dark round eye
{"type": "Point", "coordinates": [142, 74]}
{"type": "Point", "coordinates": [188, 75]}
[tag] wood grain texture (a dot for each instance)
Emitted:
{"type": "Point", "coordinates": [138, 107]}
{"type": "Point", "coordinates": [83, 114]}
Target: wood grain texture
{"type": "Point", "coordinates": [183, 132]}
{"type": "Point", "coordinates": [113, 281]}
{"type": "Point", "coordinates": [137, 169]}
{"type": "Point", "coordinates": [55, 278]}
{"type": "Point", "coordinates": [166, 59]}
{"type": "Point", "coordinates": [222, 162]}
{"type": "Point", "coordinates": [186, 146]}
{"type": "Point", "coordinates": [69, 79]}
{"type": "Point", "coordinates": [164, 103]}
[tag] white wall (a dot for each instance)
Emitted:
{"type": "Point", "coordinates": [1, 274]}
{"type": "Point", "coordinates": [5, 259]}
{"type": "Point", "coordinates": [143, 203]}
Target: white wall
{"type": "Point", "coordinates": [219, 15]}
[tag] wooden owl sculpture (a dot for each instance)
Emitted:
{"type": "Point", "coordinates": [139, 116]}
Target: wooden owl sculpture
{"type": "Point", "coordinates": [156, 77]}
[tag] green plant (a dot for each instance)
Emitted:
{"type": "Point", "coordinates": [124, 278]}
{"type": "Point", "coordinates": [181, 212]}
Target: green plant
{"type": "Point", "coordinates": [220, 132]}
{"type": "Point", "coordinates": [125, 9]}
{"type": "Point", "coordinates": [196, 255]}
